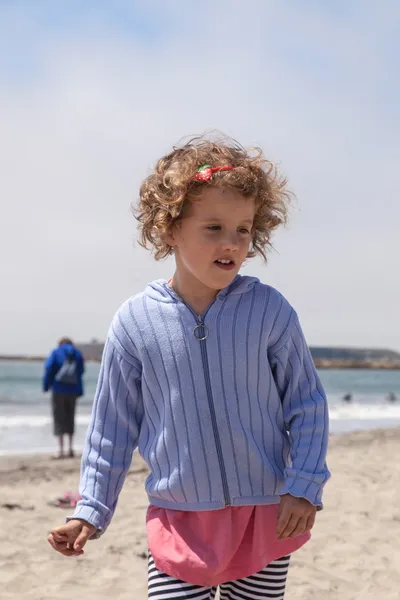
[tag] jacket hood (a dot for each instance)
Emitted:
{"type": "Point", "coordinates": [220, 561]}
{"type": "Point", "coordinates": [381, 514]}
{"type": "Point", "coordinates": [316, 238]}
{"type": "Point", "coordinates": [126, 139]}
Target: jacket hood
{"type": "Point", "coordinates": [67, 349]}
{"type": "Point", "coordinates": [161, 291]}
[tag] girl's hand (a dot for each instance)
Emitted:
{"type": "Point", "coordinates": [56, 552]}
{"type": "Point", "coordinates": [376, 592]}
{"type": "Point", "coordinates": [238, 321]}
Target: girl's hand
{"type": "Point", "coordinates": [70, 538]}
{"type": "Point", "coordinates": [296, 516]}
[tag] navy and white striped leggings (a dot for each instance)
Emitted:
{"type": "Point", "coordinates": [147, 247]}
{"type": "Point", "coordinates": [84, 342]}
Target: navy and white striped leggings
{"type": "Point", "coordinates": [269, 583]}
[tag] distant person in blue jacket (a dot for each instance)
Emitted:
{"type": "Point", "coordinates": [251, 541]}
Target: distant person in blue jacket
{"type": "Point", "coordinates": [63, 373]}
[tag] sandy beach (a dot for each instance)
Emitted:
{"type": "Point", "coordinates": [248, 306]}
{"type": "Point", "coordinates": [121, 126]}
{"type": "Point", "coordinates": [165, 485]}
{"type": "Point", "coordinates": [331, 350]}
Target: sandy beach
{"type": "Point", "coordinates": [354, 553]}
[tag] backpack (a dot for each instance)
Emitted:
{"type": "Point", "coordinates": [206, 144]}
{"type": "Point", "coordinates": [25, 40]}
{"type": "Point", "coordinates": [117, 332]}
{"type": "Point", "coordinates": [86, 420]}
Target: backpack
{"type": "Point", "coordinates": [68, 372]}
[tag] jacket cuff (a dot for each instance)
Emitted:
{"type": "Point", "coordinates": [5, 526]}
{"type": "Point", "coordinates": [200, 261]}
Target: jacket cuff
{"type": "Point", "coordinates": [305, 485]}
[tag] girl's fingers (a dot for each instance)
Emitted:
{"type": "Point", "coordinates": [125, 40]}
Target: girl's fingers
{"type": "Point", "coordinates": [310, 522]}
{"type": "Point", "coordinates": [70, 552]}
{"type": "Point", "coordinates": [59, 536]}
{"type": "Point", "coordinates": [300, 528]}
{"type": "Point", "coordinates": [63, 547]}
{"type": "Point", "coordinates": [304, 524]}
{"type": "Point", "coordinates": [83, 537]}
{"type": "Point", "coordinates": [283, 519]}
{"type": "Point", "coordinates": [289, 528]}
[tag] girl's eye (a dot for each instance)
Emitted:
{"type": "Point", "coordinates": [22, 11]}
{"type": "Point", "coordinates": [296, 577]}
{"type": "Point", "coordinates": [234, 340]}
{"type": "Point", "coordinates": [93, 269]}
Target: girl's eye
{"type": "Point", "coordinates": [214, 227]}
{"type": "Point", "coordinates": [244, 230]}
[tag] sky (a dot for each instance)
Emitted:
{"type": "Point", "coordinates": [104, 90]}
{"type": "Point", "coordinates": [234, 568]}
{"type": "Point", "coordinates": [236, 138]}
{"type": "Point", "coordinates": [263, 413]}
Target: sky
{"type": "Point", "coordinates": [93, 93]}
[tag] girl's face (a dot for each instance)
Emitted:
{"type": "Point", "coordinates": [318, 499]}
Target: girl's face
{"type": "Point", "coordinates": [212, 239]}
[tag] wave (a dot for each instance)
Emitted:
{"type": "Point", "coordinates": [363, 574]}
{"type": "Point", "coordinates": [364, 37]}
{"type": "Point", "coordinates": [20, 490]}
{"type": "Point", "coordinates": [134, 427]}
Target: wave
{"type": "Point", "coordinates": [337, 412]}
{"type": "Point", "coordinates": [35, 421]}
{"type": "Point", "coordinates": [367, 412]}
{"type": "Point", "coordinates": [32, 400]}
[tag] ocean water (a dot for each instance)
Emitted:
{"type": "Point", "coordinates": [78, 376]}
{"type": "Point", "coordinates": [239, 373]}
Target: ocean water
{"type": "Point", "coordinates": [26, 422]}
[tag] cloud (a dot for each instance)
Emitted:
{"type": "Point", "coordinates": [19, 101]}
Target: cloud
{"type": "Point", "coordinates": [90, 100]}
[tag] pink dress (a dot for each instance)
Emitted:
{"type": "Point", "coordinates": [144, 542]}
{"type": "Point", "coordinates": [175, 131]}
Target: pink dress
{"type": "Point", "coordinates": [210, 547]}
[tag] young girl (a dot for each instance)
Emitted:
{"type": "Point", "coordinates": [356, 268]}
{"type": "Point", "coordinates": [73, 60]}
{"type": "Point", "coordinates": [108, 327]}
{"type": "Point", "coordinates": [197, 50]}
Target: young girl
{"type": "Point", "coordinates": [209, 375]}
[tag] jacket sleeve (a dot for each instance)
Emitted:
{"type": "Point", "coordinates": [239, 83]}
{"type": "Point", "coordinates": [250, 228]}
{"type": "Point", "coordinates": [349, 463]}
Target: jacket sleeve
{"type": "Point", "coordinates": [81, 365]}
{"type": "Point", "coordinates": [305, 412]}
{"type": "Point", "coordinates": [81, 371]}
{"type": "Point", "coordinates": [49, 372]}
{"type": "Point", "coordinates": [111, 438]}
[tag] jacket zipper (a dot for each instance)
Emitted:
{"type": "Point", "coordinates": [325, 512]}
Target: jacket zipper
{"type": "Point", "coordinates": [204, 356]}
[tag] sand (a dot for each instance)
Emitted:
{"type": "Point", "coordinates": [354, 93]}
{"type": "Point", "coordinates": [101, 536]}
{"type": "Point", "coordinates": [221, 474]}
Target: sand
{"type": "Point", "coordinates": [354, 553]}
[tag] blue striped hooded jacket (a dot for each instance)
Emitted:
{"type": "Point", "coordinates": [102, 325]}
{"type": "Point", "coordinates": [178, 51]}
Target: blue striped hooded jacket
{"type": "Point", "coordinates": [226, 408]}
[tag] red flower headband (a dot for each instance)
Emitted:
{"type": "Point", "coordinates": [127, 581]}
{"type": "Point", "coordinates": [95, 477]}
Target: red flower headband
{"type": "Point", "coordinates": [205, 172]}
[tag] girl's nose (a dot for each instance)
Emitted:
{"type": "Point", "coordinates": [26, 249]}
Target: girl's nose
{"type": "Point", "coordinates": [230, 243]}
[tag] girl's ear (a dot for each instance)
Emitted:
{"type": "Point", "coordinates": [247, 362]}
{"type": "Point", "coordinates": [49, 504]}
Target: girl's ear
{"type": "Point", "coordinates": [169, 239]}
{"type": "Point", "coordinates": [171, 236]}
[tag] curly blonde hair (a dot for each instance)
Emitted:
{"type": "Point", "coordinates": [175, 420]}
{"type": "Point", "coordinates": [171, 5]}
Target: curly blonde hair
{"type": "Point", "coordinates": [164, 194]}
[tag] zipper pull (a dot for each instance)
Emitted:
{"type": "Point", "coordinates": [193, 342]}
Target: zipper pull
{"type": "Point", "coordinates": [200, 332]}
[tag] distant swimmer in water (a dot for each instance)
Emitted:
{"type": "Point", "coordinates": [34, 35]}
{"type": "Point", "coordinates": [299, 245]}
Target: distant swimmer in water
{"type": "Point", "coordinates": [347, 398]}
{"type": "Point", "coordinates": [392, 397]}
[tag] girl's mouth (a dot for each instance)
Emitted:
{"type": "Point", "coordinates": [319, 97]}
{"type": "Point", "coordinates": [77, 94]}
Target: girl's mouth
{"type": "Point", "coordinates": [226, 265]}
